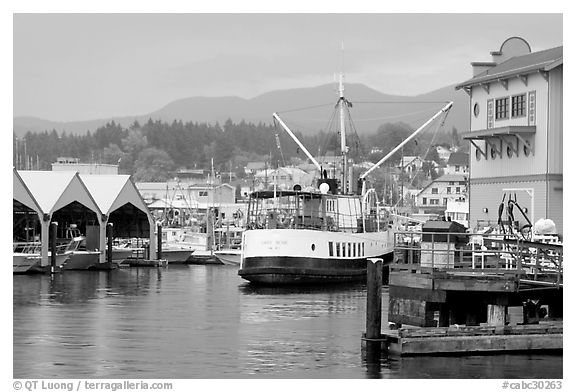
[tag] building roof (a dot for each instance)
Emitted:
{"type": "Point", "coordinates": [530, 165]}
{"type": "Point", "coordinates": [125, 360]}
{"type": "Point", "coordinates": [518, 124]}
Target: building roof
{"type": "Point", "coordinates": [113, 191]}
{"type": "Point", "coordinates": [22, 194]}
{"type": "Point", "coordinates": [406, 160]}
{"type": "Point", "coordinates": [255, 165]}
{"type": "Point", "coordinates": [458, 158]}
{"type": "Point", "coordinates": [544, 60]}
{"type": "Point", "coordinates": [181, 204]}
{"type": "Point", "coordinates": [451, 177]}
{"type": "Point", "coordinates": [54, 190]}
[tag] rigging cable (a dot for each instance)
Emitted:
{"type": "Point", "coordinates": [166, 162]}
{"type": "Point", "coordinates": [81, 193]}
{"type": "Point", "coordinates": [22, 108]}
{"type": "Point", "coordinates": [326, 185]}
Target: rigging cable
{"type": "Point", "coordinates": [439, 125]}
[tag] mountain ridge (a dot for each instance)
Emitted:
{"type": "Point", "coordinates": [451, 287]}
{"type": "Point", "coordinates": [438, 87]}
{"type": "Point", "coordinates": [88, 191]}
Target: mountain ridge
{"type": "Point", "coordinates": [260, 108]}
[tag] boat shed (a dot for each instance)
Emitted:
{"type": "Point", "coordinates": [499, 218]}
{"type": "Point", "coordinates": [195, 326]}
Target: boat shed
{"type": "Point", "coordinates": [55, 197]}
{"type": "Point", "coordinates": [122, 205]}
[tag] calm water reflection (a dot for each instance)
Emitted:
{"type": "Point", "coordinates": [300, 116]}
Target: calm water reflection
{"type": "Point", "coordinates": [206, 322]}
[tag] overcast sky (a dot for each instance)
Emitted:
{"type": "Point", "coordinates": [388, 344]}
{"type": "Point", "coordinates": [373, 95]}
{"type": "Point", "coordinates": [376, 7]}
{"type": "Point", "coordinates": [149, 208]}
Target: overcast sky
{"type": "Point", "coordinates": [87, 66]}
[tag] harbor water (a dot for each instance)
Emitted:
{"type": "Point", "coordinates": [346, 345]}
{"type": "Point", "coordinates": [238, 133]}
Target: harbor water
{"type": "Point", "coordinates": [190, 322]}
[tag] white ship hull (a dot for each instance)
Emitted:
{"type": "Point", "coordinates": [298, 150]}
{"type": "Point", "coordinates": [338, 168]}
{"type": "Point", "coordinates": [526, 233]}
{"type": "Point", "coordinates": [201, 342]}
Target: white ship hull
{"type": "Point", "coordinates": [29, 263]}
{"type": "Point", "coordinates": [229, 256]}
{"type": "Point", "coordinates": [81, 260]}
{"type": "Point", "coordinates": [310, 256]}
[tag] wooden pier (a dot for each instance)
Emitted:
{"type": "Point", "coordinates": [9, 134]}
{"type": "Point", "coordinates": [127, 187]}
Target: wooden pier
{"type": "Point", "coordinates": [450, 297]}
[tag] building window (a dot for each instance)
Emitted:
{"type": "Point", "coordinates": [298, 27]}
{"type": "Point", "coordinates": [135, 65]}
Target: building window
{"type": "Point", "coordinates": [478, 154]}
{"type": "Point", "coordinates": [519, 105]}
{"type": "Point", "coordinates": [502, 108]}
{"type": "Point", "coordinates": [509, 152]}
{"type": "Point", "coordinates": [448, 190]}
{"type": "Point", "coordinates": [434, 202]}
{"type": "Point", "coordinates": [493, 153]}
{"type": "Point", "coordinates": [457, 189]}
{"type": "Point", "coordinates": [203, 194]}
{"type": "Point", "coordinates": [444, 201]}
{"type": "Point", "coordinates": [424, 201]}
{"type": "Point", "coordinates": [457, 168]}
{"type": "Point", "coordinates": [434, 191]}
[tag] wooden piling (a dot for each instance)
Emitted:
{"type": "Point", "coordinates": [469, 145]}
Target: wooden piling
{"type": "Point", "coordinates": [53, 246]}
{"type": "Point", "coordinates": [374, 298]}
{"type": "Point", "coordinates": [159, 240]}
{"type": "Point", "coordinates": [109, 236]}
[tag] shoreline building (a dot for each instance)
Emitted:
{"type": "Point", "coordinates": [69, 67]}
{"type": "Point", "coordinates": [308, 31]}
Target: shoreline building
{"type": "Point", "coordinates": [74, 164]}
{"type": "Point", "coordinates": [516, 108]}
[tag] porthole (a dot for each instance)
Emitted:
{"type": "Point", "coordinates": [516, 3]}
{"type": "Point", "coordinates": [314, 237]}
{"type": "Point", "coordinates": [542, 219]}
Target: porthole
{"type": "Point", "coordinates": [509, 152]}
{"type": "Point", "coordinates": [476, 109]}
{"type": "Point", "coordinates": [313, 247]}
{"type": "Point", "coordinates": [478, 154]}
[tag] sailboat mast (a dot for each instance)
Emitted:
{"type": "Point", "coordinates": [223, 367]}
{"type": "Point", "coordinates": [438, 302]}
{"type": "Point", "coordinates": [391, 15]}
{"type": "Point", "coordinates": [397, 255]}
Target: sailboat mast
{"type": "Point", "coordinates": [343, 147]}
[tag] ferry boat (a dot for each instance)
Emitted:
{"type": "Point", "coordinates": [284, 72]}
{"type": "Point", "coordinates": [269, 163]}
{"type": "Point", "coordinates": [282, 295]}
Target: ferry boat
{"type": "Point", "coordinates": [320, 236]}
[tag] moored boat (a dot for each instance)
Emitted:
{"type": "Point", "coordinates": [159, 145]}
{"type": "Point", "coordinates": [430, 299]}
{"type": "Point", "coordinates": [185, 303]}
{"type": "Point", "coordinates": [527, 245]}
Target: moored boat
{"type": "Point", "coordinates": [26, 258]}
{"type": "Point", "coordinates": [229, 256]}
{"type": "Point", "coordinates": [324, 235]}
{"type": "Point", "coordinates": [80, 259]}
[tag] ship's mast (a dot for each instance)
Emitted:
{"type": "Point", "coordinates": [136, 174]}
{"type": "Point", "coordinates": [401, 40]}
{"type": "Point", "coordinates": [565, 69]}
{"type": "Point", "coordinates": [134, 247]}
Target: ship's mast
{"type": "Point", "coordinates": [343, 147]}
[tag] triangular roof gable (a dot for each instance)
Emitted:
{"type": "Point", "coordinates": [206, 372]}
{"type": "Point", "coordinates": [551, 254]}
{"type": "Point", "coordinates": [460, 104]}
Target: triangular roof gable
{"type": "Point", "coordinates": [22, 194]}
{"type": "Point", "coordinates": [54, 190]}
{"type": "Point", "coordinates": [104, 188]}
{"type": "Point", "coordinates": [113, 191]}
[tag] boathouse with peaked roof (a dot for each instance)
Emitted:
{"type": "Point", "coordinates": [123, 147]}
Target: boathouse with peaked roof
{"type": "Point", "coordinates": [122, 205]}
{"type": "Point", "coordinates": [516, 107]}
{"type": "Point", "coordinates": [88, 201]}
{"type": "Point", "coordinates": [55, 197]}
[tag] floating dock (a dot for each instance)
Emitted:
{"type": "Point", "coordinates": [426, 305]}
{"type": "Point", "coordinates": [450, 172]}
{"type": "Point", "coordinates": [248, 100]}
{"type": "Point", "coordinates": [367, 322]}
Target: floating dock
{"type": "Point", "coordinates": [143, 263]}
{"type": "Point", "coordinates": [547, 337]}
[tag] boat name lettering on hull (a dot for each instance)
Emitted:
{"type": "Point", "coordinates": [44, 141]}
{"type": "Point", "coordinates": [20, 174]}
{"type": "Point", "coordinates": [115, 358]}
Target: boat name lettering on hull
{"type": "Point", "coordinates": [273, 245]}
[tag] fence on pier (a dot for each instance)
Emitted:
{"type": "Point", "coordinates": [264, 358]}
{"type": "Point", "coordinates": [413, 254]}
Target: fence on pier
{"type": "Point", "coordinates": [538, 262]}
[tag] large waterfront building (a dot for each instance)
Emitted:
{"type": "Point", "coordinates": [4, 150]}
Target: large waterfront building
{"type": "Point", "coordinates": [516, 133]}
{"type": "Point", "coordinates": [74, 164]}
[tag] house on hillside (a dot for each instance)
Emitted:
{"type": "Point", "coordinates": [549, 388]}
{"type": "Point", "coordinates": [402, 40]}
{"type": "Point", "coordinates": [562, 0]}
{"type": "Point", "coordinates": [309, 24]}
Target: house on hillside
{"type": "Point", "coordinates": [434, 196]}
{"type": "Point", "coordinates": [457, 163]}
{"type": "Point", "coordinates": [283, 178]}
{"type": "Point", "coordinates": [411, 164]}
{"type": "Point", "coordinates": [516, 132]}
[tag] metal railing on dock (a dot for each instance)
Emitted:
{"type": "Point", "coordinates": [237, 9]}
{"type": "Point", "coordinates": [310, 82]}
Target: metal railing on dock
{"type": "Point", "coordinates": [531, 262]}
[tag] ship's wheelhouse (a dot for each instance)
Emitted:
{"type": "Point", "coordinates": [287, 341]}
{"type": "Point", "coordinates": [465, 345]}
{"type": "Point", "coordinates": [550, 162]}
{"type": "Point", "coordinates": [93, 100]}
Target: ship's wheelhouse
{"type": "Point", "coordinates": [314, 211]}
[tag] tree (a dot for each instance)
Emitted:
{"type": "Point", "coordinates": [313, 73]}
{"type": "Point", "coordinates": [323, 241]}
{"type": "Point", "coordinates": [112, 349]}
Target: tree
{"type": "Point", "coordinates": [112, 154]}
{"type": "Point", "coordinates": [153, 164]}
{"type": "Point", "coordinates": [455, 138]}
